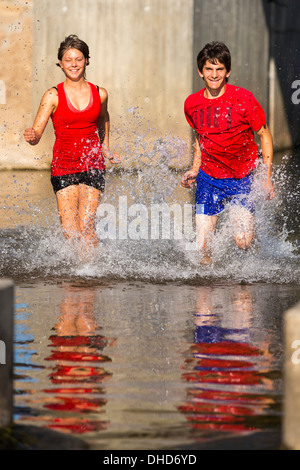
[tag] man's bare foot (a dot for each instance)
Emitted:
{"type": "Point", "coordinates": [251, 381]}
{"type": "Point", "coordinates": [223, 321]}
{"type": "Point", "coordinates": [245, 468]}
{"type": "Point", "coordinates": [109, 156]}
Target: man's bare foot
{"type": "Point", "coordinates": [204, 258]}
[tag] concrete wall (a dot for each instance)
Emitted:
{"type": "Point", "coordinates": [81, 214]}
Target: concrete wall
{"type": "Point", "coordinates": [141, 51]}
{"type": "Point", "coordinates": [263, 37]}
{"type": "Point", "coordinates": [16, 21]}
{"type": "Point", "coordinates": [228, 21]}
{"type": "Point", "coordinates": [282, 19]}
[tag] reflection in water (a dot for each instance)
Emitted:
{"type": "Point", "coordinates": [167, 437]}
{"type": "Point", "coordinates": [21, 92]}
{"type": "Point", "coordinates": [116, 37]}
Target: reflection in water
{"type": "Point", "coordinates": [145, 392]}
{"type": "Point", "coordinates": [77, 367]}
{"type": "Point", "coordinates": [32, 245]}
{"type": "Point", "coordinates": [228, 374]}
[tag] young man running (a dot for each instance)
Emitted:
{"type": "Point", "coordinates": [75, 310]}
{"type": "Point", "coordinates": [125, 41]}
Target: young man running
{"type": "Point", "coordinates": [225, 118]}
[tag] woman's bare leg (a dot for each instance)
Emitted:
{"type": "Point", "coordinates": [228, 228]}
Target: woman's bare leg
{"type": "Point", "coordinates": [67, 203]}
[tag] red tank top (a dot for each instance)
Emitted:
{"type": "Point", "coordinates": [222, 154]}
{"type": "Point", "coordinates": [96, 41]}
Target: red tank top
{"type": "Point", "coordinates": [77, 146]}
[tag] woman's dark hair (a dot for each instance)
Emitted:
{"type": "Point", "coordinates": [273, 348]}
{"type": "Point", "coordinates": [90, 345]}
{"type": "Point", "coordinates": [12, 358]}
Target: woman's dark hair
{"type": "Point", "coordinates": [213, 52]}
{"type": "Point", "coordinates": [73, 42]}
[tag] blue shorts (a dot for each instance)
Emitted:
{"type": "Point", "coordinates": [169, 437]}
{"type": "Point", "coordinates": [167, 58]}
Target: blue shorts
{"type": "Point", "coordinates": [213, 194]}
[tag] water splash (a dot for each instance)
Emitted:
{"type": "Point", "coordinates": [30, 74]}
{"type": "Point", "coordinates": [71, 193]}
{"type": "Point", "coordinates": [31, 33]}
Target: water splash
{"type": "Point", "coordinates": [39, 251]}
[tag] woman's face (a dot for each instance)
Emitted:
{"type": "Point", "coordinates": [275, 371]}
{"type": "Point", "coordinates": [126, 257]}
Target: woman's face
{"type": "Point", "coordinates": [73, 64]}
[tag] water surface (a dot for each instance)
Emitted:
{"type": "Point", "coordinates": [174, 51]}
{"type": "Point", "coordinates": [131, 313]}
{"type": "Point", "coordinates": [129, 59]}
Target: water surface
{"type": "Point", "coordinates": [141, 347]}
{"type": "Point", "coordinates": [135, 365]}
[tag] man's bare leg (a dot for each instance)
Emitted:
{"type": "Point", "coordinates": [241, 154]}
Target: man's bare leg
{"type": "Point", "coordinates": [205, 227]}
{"type": "Point", "coordinates": [77, 205]}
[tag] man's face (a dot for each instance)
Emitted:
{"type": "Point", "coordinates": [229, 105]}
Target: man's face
{"type": "Point", "coordinates": [73, 64]}
{"type": "Point", "coordinates": [214, 75]}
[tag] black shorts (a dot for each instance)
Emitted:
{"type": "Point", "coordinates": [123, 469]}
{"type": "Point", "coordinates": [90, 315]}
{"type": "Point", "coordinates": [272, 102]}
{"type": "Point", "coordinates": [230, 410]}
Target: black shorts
{"type": "Point", "coordinates": [93, 177]}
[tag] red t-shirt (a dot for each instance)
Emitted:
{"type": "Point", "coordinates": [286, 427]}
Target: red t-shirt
{"type": "Point", "coordinates": [77, 146]}
{"type": "Point", "coordinates": [225, 128]}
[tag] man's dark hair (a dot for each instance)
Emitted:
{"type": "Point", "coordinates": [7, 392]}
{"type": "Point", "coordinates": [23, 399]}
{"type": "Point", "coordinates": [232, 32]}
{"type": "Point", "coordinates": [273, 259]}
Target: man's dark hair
{"type": "Point", "coordinates": [213, 52]}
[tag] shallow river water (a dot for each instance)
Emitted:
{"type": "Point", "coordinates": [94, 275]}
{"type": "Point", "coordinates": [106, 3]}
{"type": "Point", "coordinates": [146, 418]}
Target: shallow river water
{"type": "Point", "coordinates": [143, 348]}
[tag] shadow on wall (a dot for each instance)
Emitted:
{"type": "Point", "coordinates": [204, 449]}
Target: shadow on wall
{"type": "Point", "coordinates": [282, 19]}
